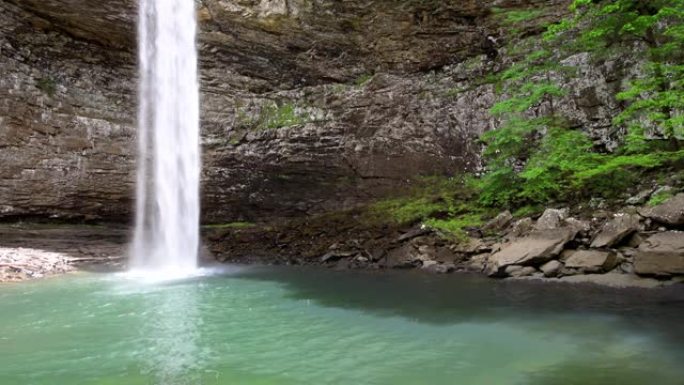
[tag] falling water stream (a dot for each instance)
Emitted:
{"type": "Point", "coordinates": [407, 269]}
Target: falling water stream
{"type": "Point", "coordinates": [166, 236]}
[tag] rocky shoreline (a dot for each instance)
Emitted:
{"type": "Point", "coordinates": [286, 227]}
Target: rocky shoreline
{"type": "Point", "coordinates": [634, 246]}
{"type": "Point", "coordinates": [637, 246]}
{"type": "Point", "coordinates": [31, 251]}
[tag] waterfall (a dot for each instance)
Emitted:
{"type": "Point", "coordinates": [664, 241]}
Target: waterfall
{"type": "Point", "coordinates": [166, 234]}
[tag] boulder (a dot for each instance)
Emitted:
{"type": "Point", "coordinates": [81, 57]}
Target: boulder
{"type": "Point", "coordinates": [438, 268]}
{"type": "Point", "coordinates": [551, 219]}
{"type": "Point", "coordinates": [521, 227]}
{"type": "Point", "coordinates": [592, 261]}
{"type": "Point", "coordinates": [478, 262]}
{"type": "Point", "coordinates": [444, 254]}
{"type": "Point", "coordinates": [472, 246]}
{"type": "Point", "coordinates": [639, 198]}
{"type": "Point", "coordinates": [551, 268]}
{"type": "Point", "coordinates": [499, 222]}
{"type": "Point", "coordinates": [662, 254]}
{"type": "Point", "coordinates": [616, 229]}
{"type": "Point", "coordinates": [516, 271]}
{"type": "Point", "coordinates": [538, 247]}
{"type": "Point", "coordinates": [401, 257]}
{"type": "Point", "coordinates": [581, 226]}
{"type": "Point", "coordinates": [670, 212]}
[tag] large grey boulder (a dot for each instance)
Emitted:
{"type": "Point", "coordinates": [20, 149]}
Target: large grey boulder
{"type": "Point", "coordinates": [592, 261]}
{"type": "Point", "coordinates": [499, 222]}
{"type": "Point", "coordinates": [551, 268]}
{"type": "Point", "coordinates": [537, 248]}
{"type": "Point", "coordinates": [616, 230]}
{"type": "Point", "coordinates": [551, 219]}
{"type": "Point", "coordinates": [661, 255]}
{"type": "Point", "coordinates": [401, 257]}
{"type": "Point", "coordinates": [670, 212]}
{"type": "Point", "coordinates": [521, 227]}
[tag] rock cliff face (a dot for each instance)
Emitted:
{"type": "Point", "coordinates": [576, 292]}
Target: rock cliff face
{"type": "Point", "coordinates": [307, 105]}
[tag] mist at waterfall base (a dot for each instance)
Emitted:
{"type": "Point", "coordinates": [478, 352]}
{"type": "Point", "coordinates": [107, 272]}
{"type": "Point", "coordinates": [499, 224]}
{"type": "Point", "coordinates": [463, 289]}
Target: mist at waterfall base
{"type": "Point", "coordinates": [166, 238]}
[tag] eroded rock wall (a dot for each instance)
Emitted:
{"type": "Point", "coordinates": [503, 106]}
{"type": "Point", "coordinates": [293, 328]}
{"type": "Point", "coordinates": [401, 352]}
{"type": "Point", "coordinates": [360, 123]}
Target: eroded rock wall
{"type": "Point", "coordinates": [380, 92]}
{"type": "Point", "coordinates": [65, 122]}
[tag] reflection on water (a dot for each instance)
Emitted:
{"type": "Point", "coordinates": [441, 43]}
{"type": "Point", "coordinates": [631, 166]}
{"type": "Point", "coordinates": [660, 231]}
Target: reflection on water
{"type": "Point", "coordinates": [448, 299]}
{"type": "Point", "coordinates": [312, 327]}
{"type": "Point", "coordinates": [170, 329]}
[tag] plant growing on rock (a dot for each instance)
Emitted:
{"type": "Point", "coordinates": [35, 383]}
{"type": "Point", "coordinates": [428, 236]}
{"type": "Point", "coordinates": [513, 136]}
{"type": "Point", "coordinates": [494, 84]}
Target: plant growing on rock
{"type": "Point", "coordinates": [540, 158]}
{"type": "Point", "coordinates": [48, 85]}
{"type": "Point", "coordinates": [272, 116]}
{"type": "Point", "coordinates": [656, 97]}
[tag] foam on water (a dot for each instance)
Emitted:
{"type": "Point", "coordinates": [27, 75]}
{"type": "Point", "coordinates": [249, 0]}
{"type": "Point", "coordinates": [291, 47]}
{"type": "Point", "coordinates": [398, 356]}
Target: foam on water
{"type": "Point", "coordinates": [166, 238]}
{"type": "Point", "coordinates": [168, 275]}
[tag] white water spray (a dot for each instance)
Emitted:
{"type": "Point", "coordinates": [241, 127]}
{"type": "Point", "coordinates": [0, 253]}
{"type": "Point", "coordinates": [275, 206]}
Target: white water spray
{"type": "Point", "coordinates": [166, 238]}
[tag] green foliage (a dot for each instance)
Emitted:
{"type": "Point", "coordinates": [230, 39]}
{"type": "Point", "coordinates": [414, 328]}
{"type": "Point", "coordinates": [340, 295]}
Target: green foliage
{"type": "Point", "coordinates": [659, 198]}
{"type": "Point", "coordinates": [407, 210]}
{"type": "Point", "coordinates": [48, 85]}
{"type": "Point", "coordinates": [657, 97]}
{"type": "Point", "coordinates": [272, 116]}
{"type": "Point", "coordinates": [430, 196]}
{"type": "Point", "coordinates": [530, 94]}
{"type": "Point", "coordinates": [657, 101]}
{"type": "Point", "coordinates": [512, 140]}
{"type": "Point", "coordinates": [610, 164]}
{"type": "Point", "coordinates": [284, 115]}
{"type": "Point", "coordinates": [536, 160]}
{"type": "Point", "coordinates": [448, 205]}
{"type": "Point", "coordinates": [514, 18]}
{"type": "Point", "coordinates": [548, 173]}
{"type": "Point", "coordinates": [443, 203]}
{"type": "Point", "coordinates": [521, 16]}
{"type": "Point", "coordinates": [456, 226]}
{"type": "Point", "coordinates": [498, 187]}
{"type": "Point", "coordinates": [528, 210]}
{"type": "Point", "coordinates": [363, 79]}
